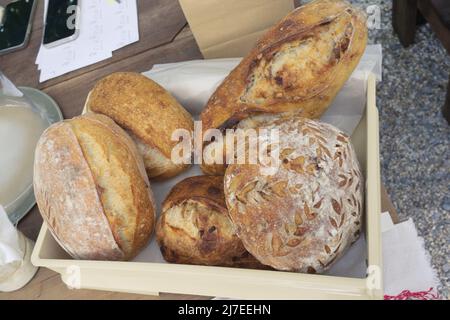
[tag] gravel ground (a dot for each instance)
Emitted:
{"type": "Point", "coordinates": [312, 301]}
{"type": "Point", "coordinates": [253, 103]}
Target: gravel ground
{"type": "Point", "coordinates": [415, 138]}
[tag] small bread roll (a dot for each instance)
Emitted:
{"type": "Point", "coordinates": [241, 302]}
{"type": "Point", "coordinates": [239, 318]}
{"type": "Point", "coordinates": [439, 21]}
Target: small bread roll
{"type": "Point", "coordinates": [92, 189]}
{"type": "Point", "coordinates": [304, 215]}
{"type": "Point", "coordinates": [194, 227]}
{"type": "Point", "coordinates": [148, 113]}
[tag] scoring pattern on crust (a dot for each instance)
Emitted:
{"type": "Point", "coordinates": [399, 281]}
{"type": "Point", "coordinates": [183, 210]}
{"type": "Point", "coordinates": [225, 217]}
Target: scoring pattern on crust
{"type": "Point", "coordinates": [303, 217]}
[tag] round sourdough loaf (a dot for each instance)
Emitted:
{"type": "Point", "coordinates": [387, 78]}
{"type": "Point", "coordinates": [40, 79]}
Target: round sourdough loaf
{"type": "Point", "coordinates": [194, 227]}
{"type": "Point", "coordinates": [92, 189]}
{"type": "Point", "coordinates": [304, 216]}
{"type": "Point", "coordinates": [148, 113]}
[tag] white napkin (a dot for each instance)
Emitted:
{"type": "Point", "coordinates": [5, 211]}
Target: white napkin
{"type": "Point", "coordinates": [10, 250]}
{"type": "Point", "coordinates": [7, 88]}
{"type": "Point", "coordinates": [192, 82]}
{"type": "Point", "coordinates": [406, 264]}
{"type": "Point", "coordinates": [16, 269]}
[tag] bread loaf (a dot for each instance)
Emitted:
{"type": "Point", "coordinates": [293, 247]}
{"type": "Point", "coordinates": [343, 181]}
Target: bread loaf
{"type": "Point", "coordinates": [148, 113]}
{"type": "Point", "coordinates": [92, 189]}
{"type": "Point", "coordinates": [299, 65]}
{"type": "Point", "coordinates": [194, 227]}
{"type": "Point", "coordinates": [303, 217]}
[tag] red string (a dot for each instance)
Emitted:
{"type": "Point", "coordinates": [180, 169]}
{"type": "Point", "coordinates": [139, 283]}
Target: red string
{"type": "Point", "coordinates": [408, 295]}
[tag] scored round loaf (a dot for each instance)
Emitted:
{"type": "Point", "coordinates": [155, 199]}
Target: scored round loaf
{"type": "Point", "coordinates": [92, 189]}
{"type": "Point", "coordinates": [148, 113]}
{"type": "Point", "coordinates": [194, 227]}
{"type": "Point", "coordinates": [304, 216]}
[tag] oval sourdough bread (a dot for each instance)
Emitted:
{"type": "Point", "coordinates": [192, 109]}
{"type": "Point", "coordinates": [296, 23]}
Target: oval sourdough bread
{"type": "Point", "coordinates": [303, 217]}
{"type": "Point", "coordinates": [148, 113]}
{"type": "Point", "coordinates": [194, 227]}
{"type": "Point", "coordinates": [92, 189]}
{"type": "Point", "coordinates": [299, 65]}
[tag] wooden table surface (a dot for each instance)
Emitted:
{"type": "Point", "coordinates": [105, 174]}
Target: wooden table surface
{"type": "Point", "coordinates": [164, 37]}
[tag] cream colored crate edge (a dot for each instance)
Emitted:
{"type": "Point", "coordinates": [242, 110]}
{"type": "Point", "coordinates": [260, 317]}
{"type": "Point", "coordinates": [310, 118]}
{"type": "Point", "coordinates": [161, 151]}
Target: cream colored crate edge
{"type": "Point", "coordinates": [152, 278]}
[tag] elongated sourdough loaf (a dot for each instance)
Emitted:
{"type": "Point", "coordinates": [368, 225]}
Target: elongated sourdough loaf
{"type": "Point", "coordinates": [148, 113]}
{"type": "Point", "coordinates": [303, 217]}
{"type": "Point", "coordinates": [299, 65]}
{"type": "Point", "coordinates": [194, 227]}
{"type": "Point", "coordinates": [92, 189]}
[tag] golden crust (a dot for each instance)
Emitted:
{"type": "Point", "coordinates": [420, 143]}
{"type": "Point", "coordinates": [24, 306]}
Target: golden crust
{"type": "Point", "coordinates": [194, 227]}
{"type": "Point", "coordinates": [299, 65]}
{"type": "Point", "coordinates": [148, 112]}
{"type": "Point", "coordinates": [92, 189]}
{"type": "Point", "coordinates": [205, 189]}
